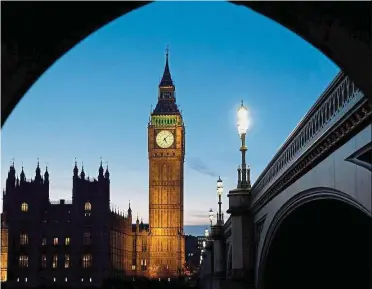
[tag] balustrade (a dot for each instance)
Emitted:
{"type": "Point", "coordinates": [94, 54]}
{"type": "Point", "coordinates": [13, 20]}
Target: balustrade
{"type": "Point", "coordinates": [330, 105]}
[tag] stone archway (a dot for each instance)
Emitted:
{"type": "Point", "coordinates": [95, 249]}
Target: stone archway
{"type": "Point", "coordinates": [341, 31]}
{"type": "Point", "coordinates": [323, 238]}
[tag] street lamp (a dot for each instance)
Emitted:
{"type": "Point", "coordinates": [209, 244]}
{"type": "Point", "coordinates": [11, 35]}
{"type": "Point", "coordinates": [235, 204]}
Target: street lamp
{"type": "Point", "coordinates": [219, 194]}
{"type": "Point", "coordinates": [211, 216]}
{"type": "Point", "coordinates": [242, 123]}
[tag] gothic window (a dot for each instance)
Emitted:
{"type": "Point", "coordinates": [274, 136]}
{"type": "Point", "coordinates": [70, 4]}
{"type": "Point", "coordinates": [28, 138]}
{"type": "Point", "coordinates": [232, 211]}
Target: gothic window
{"type": "Point", "coordinates": [143, 264]}
{"type": "Point", "coordinates": [43, 261]}
{"type": "Point", "coordinates": [87, 238]}
{"type": "Point", "coordinates": [23, 261]}
{"type": "Point", "coordinates": [55, 261]}
{"type": "Point", "coordinates": [87, 260]}
{"type": "Point", "coordinates": [43, 241]}
{"type": "Point", "coordinates": [67, 241]}
{"type": "Point", "coordinates": [24, 207]}
{"type": "Point", "coordinates": [23, 239]}
{"type": "Point", "coordinates": [88, 208]}
{"type": "Point", "coordinates": [67, 260]}
{"type": "Point", "coordinates": [55, 241]}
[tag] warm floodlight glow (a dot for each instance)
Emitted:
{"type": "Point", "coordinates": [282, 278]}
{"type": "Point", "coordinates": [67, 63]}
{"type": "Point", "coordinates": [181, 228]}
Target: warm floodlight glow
{"type": "Point", "coordinates": [211, 215]}
{"type": "Point", "coordinates": [243, 121]}
{"type": "Point", "coordinates": [219, 186]}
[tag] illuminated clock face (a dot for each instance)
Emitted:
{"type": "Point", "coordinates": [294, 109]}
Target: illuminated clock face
{"type": "Point", "coordinates": [164, 139]}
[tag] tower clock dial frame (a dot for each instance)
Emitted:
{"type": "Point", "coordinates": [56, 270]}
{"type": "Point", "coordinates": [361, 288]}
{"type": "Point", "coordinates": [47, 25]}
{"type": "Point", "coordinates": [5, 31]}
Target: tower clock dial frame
{"type": "Point", "coordinates": [164, 139]}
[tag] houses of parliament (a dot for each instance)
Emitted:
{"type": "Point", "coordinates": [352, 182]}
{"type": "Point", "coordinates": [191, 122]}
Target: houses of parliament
{"type": "Point", "coordinates": [82, 242]}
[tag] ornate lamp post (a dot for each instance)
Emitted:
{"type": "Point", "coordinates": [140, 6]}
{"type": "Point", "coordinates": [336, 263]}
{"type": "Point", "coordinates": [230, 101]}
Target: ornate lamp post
{"type": "Point", "coordinates": [242, 221]}
{"type": "Point", "coordinates": [244, 181]}
{"type": "Point", "coordinates": [211, 217]}
{"type": "Point", "coordinates": [206, 233]}
{"type": "Point", "coordinates": [219, 194]}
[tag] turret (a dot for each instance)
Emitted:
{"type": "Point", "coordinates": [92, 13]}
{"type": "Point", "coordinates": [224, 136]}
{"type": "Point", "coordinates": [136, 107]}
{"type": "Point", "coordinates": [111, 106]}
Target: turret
{"type": "Point", "coordinates": [11, 180]}
{"type": "Point", "coordinates": [38, 173]}
{"type": "Point", "coordinates": [141, 225]}
{"type": "Point", "coordinates": [46, 175]}
{"type": "Point", "coordinates": [107, 174]}
{"type": "Point", "coordinates": [100, 172]}
{"type": "Point", "coordinates": [82, 174]}
{"type": "Point", "coordinates": [137, 224]}
{"type": "Point", "coordinates": [130, 213]}
{"type": "Point", "coordinates": [76, 171]}
{"type": "Point", "coordinates": [22, 176]}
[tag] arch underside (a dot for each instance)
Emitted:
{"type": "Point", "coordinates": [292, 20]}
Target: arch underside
{"type": "Point", "coordinates": [321, 243]}
{"type": "Point", "coordinates": [343, 34]}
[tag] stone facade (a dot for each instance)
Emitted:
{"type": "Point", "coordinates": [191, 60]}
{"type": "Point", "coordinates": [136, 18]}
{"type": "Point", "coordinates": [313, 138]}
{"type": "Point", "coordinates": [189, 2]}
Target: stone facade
{"type": "Point", "coordinates": [166, 151]}
{"type": "Point", "coordinates": [79, 242]}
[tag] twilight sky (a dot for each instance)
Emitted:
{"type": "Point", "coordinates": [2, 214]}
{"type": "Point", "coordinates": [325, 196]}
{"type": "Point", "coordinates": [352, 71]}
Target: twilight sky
{"type": "Point", "coordinates": [95, 101]}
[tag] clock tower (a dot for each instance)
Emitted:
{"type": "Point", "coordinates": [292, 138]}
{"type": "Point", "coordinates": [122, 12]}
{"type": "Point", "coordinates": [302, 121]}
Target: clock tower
{"type": "Point", "coordinates": [166, 148]}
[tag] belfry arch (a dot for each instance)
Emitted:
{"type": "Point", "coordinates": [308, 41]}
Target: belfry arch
{"type": "Point", "coordinates": [341, 31]}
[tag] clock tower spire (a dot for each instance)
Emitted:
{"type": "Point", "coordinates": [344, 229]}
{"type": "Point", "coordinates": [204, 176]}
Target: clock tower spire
{"type": "Point", "coordinates": [167, 92]}
{"type": "Point", "coordinates": [166, 80]}
{"type": "Point", "coordinates": [166, 148]}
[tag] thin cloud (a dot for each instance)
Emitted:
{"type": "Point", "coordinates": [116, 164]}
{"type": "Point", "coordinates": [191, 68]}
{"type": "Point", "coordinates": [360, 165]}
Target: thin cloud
{"type": "Point", "coordinates": [198, 165]}
{"type": "Point", "coordinates": [198, 215]}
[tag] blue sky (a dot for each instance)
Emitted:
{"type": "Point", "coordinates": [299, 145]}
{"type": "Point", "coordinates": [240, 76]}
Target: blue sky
{"type": "Point", "coordinates": [95, 101]}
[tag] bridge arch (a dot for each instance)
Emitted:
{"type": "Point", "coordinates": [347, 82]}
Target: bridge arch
{"type": "Point", "coordinates": [317, 225]}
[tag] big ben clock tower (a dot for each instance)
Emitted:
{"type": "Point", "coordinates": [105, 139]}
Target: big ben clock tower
{"type": "Point", "coordinates": [166, 147]}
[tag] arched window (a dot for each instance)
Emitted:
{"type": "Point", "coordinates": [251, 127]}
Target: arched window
{"type": "Point", "coordinates": [24, 207]}
{"type": "Point", "coordinates": [23, 239]}
{"type": "Point", "coordinates": [87, 208]}
{"type": "Point", "coordinates": [87, 260]}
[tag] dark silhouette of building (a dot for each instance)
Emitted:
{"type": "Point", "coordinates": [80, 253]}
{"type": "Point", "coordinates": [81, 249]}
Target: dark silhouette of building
{"type": "Point", "coordinates": [79, 242]}
{"type": "Point", "coordinates": [192, 254]}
